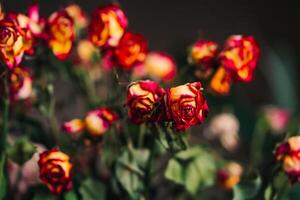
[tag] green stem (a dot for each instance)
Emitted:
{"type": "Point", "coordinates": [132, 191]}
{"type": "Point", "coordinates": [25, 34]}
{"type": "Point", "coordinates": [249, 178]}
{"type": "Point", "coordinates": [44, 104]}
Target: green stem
{"type": "Point", "coordinates": [283, 190]}
{"type": "Point", "coordinates": [6, 102]}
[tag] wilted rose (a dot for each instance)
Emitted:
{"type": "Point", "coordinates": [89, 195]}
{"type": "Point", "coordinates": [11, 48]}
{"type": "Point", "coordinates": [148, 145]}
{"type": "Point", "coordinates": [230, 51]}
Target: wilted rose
{"type": "Point", "coordinates": [74, 126]}
{"type": "Point", "coordinates": [98, 121]}
{"type": "Point", "coordinates": [288, 154]}
{"type": "Point", "coordinates": [55, 171]}
{"type": "Point", "coordinates": [230, 175]}
{"type": "Point", "coordinates": [78, 16]}
{"type": "Point", "coordinates": [240, 57]}
{"type": "Point", "coordinates": [221, 82]}
{"type": "Point", "coordinates": [107, 26]}
{"type": "Point", "coordinates": [131, 50]}
{"type": "Point", "coordinates": [186, 105]}
{"type": "Point", "coordinates": [160, 66]}
{"type": "Point", "coordinates": [20, 84]}
{"type": "Point", "coordinates": [144, 101]}
{"type": "Point", "coordinates": [61, 34]}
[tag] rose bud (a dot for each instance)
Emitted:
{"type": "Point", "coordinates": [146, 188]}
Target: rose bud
{"type": "Point", "coordinates": [277, 118]}
{"type": "Point", "coordinates": [160, 66]}
{"type": "Point", "coordinates": [107, 26]}
{"type": "Point", "coordinates": [20, 84]}
{"type": "Point", "coordinates": [131, 50]}
{"type": "Point", "coordinates": [288, 154]}
{"type": "Point", "coordinates": [220, 83]}
{"type": "Point", "coordinates": [85, 51]}
{"type": "Point", "coordinates": [203, 53]}
{"type": "Point", "coordinates": [55, 171]}
{"type": "Point", "coordinates": [74, 126]}
{"type": "Point", "coordinates": [61, 34]}
{"type": "Point", "coordinates": [240, 57]}
{"type": "Point", "coordinates": [36, 24]}
{"type": "Point", "coordinates": [97, 122]}
{"type": "Point", "coordinates": [77, 15]}
{"type": "Point", "coordinates": [229, 175]}
{"type": "Point", "coordinates": [11, 42]}
{"type": "Point", "coordinates": [144, 101]}
{"type": "Point", "coordinates": [186, 105]}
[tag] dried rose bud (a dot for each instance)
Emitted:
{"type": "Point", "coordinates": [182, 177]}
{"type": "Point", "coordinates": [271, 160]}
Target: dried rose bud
{"type": "Point", "coordinates": [288, 154]}
{"type": "Point", "coordinates": [230, 175]}
{"type": "Point", "coordinates": [20, 84]}
{"type": "Point", "coordinates": [55, 171]}
{"type": "Point", "coordinates": [186, 105]}
{"type": "Point", "coordinates": [74, 126]}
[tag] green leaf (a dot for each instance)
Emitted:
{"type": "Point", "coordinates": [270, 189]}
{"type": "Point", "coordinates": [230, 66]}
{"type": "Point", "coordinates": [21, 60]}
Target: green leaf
{"type": "Point", "coordinates": [247, 189]}
{"type": "Point", "coordinates": [44, 196]}
{"type": "Point", "coordinates": [70, 196]}
{"type": "Point", "coordinates": [130, 171]}
{"type": "Point", "coordinates": [21, 151]}
{"type": "Point", "coordinates": [92, 190]}
{"type": "Point", "coordinates": [194, 168]}
{"type": "Point", "coordinates": [2, 176]}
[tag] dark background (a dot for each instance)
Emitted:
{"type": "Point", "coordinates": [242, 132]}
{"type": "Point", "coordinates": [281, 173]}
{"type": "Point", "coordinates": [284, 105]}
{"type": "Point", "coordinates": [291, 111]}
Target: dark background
{"type": "Point", "coordinates": [171, 26]}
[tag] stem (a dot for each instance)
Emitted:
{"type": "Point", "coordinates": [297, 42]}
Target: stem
{"type": "Point", "coordinates": [52, 120]}
{"type": "Point", "coordinates": [3, 134]}
{"type": "Point", "coordinates": [147, 180]}
{"type": "Point", "coordinates": [283, 190]}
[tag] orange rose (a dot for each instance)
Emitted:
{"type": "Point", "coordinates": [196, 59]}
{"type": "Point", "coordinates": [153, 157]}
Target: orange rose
{"type": "Point", "coordinates": [288, 154]}
{"type": "Point", "coordinates": [107, 26]}
{"type": "Point", "coordinates": [61, 34]}
{"type": "Point", "coordinates": [20, 84]}
{"type": "Point", "coordinates": [240, 57]}
{"type": "Point", "coordinates": [186, 105]}
{"type": "Point", "coordinates": [230, 175]}
{"type": "Point", "coordinates": [131, 50]}
{"type": "Point", "coordinates": [97, 122]}
{"type": "Point", "coordinates": [144, 101]}
{"type": "Point", "coordinates": [220, 82]}
{"type": "Point", "coordinates": [160, 65]}
{"type": "Point", "coordinates": [55, 171]}
{"type": "Point", "coordinates": [11, 43]}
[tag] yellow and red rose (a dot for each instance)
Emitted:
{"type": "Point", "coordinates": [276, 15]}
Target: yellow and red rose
{"type": "Point", "coordinates": [107, 26]}
{"type": "Point", "coordinates": [186, 105]}
{"type": "Point", "coordinates": [221, 82]}
{"type": "Point", "coordinates": [98, 121]}
{"type": "Point", "coordinates": [240, 57]}
{"type": "Point", "coordinates": [229, 175]}
{"type": "Point", "coordinates": [144, 101]}
{"type": "Point", "coordinates": [74, 126]}
{"type": "Point", "coordinates": [288, 153]}
{"type": "Point", "coordinates": [160, 66]}
{"type": "Point", "coordinates": [20, 83]}
{"type": "Point", "coordinates": [203, 53]}
{"type": "Point", "coordinates": [61, 34]}
{"type": "Point", "coordinates": [56, 171]}
{"type": "Point", "coordinates": [132, 50]}
{"type": "Point", "coordinates": [12, 45]}
{"type": "Point", "coordinates": [78, 16]}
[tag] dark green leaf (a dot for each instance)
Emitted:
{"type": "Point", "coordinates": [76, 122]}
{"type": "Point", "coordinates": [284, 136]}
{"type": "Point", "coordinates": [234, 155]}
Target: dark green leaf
{"type": "Point", "coordinates": [93, 190]}
{"type": "Point", "coordinates": [2, 176]}
{"type": "Point", "coordinates": [247, 189]}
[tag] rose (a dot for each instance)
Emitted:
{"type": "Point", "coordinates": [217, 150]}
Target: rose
{"type": "Point", "coordinates": [230, 175]}
{"type": "Point", "coordinates": [160, 65]}
{"type": "Point", "coordinates": [86, 51]}
{"type": "Point", "coordinates": [144, 101]}
{"type": "Point", "coordinates": [77, 15]}
{"type": "Point", "coordinates": [203, 52]}
{"type": "Point", "coordinates": [186, 105]}
{"type": "Point", "coordinates": [277, 118]}
{"type": "Point", "coordinates": [61, 34]}
{"type": "Point", "coordinates": [98, 121]}
{"type": "Point", "coordinates": [107, 26]}
{"type": "Point", "coordinates": [131, 50]}
{"type": "Point", "coordinates": [221, 82]}
{"type": "Point", "coordinates": [74, 126]}
{"type": "Point", "coordinates": [11, 42]}
{"type": "Point", "coordinates": [240, 57]}
{"type": "Point", "coordinates": [288, 154]}
{"type": "Point", "coordinates": [55, 171]}
{"type": "Point", "coordinates": [20, 84]}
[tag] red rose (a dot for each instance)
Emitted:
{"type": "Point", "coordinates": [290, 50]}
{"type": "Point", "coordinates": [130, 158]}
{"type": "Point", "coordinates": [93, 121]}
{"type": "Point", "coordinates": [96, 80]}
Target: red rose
{"type": "Point", "coordinates": [107, 26]}
{"type": "Point", "coordinates": [61, 33]}
{"type": "Point", "coordinates": [288, 154]}
{"type": "Point", "coordinates": [131, 50]}
{"type": "Point", "coordinates": [240, 57]}
{"type": "Point", "coordinates": [144, 100]}
{"type": "Point", "coordinates": [55, 171]}
{"type": "Point", "coordinates": [186, 105]}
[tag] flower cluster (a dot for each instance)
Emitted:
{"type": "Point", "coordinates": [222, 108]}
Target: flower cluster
{"type": "Point", "coordinates": [184, 105]}
{"type": "Point", "coordinates": [236, 62]}
{"type": "Point", "coordinates": [288, 154]}
{"type": "Point", "coordinates": [96, 122]}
